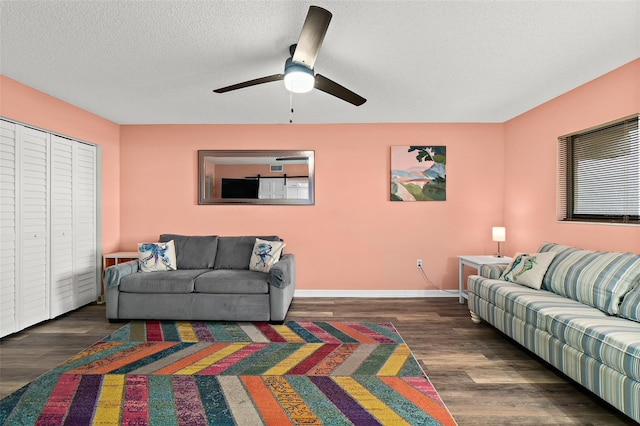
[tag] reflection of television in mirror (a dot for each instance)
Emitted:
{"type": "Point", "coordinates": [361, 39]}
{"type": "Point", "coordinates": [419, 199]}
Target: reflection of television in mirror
{"type": "Point", "coordinates": [239, 188]}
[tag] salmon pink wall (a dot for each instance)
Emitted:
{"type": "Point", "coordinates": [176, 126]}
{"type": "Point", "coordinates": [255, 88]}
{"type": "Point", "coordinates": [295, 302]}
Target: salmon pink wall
{"type": "Point", "coordinates": [353, 238]}
{"type": "Point", "coordinates": [29, 106]}
{"type": "Point", "coordinates": [530, 164]}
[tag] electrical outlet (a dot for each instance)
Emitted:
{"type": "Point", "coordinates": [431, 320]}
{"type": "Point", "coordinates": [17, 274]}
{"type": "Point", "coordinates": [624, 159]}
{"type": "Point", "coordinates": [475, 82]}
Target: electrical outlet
{"type": "Point", "coordinates": [419, 263]}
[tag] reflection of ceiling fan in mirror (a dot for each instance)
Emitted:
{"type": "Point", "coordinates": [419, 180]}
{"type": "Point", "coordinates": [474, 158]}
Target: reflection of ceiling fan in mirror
{"type": "Point", "coordinates": [292, 159]}
{"type": "Point", "coordinates": [299, 75]}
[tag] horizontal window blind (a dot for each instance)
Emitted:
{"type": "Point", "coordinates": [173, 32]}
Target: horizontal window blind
{"type": "Point", "coordinates": [599, 174]}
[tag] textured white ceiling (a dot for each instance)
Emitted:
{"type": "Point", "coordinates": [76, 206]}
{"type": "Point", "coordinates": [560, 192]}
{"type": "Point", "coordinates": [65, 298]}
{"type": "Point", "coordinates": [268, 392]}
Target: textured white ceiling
{"type": "Point", "coordinates": [143, 62]}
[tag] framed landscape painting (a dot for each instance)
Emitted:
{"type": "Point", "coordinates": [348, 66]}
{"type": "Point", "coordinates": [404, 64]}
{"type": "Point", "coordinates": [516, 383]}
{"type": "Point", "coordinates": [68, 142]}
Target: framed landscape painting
{"type": "Point", "coordinates": [418, 173]}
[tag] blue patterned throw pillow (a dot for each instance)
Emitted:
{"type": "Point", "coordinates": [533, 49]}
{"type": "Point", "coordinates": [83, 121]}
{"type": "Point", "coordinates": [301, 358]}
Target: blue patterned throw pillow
{"type": "Point", "coordinates": [528, 269]}
{"type": "Point", "coordinates": [156, 257]}
{"type": "Point", "coordinates": [265, 254]}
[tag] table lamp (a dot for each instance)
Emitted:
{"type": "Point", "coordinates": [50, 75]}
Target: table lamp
{"type": "Point", "coordinates": [499, 235]}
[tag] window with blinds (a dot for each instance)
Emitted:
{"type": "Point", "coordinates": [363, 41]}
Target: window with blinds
{"type": "Point", "coordinates": [599, 174]}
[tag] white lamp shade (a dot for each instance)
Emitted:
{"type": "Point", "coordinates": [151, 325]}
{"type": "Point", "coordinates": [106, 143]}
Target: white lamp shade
{"type": "Point", "coordinates": [499, 233]}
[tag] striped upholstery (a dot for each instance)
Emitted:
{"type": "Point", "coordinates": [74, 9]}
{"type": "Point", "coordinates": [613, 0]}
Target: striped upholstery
{"type": "Point", "coordinates": [598, 279]}
{"type": "Point", "coordinates": [619, 390]}
{"type": "Point", "coordinates": [630, 306]}
{"type": "Point", "coordinates": [570, 325]}
{"type": "Point", "coordinates": [491, 271]}
{"type": "Point", "coordinates": [527, 304]}
{"type": "Point", "coordinates": [611, 341]}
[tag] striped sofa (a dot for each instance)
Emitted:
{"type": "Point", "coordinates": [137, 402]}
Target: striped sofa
{"type": "Point", "coordinates": [585, 321]}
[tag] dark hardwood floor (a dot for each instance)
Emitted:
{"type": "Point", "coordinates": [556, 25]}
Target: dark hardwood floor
{"type": "Point", "coordinates": [483, 377]}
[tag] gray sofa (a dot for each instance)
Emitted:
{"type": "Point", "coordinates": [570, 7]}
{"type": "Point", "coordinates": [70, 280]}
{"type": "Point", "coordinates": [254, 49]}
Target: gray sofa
{"type": "Point", "coordinates": [212, 283]}
{"type": "Point", "coordinates": [585, 320]}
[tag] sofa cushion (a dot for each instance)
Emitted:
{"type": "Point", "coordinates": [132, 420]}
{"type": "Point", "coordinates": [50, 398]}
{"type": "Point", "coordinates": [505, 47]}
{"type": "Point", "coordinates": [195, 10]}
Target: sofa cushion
{"type": "Point", "coordinates": [265, 254]}
{"type": "Point", "coordinates": [156, 257]}
{"type": "Point", "coordinates": [598, 279]}
{"type": "Point", "coordinates": [180, 281]}
{"type": "Point", "coordinates": [630, 306]}
{"type": "Point", "coordinates": [561, 252]}
{"type": "Point", "coordinates": [225, 281]}
{"type": "Point", "coordinates": [610, 340]}
{"type": "Point", "coordinates": [528, 269]}
{"type": "Point", "coordinates": [235, 252]}
{"type": "Point", "coordinates": [193, 252]}
{"type": "Point", "coordinates": [528, 305]}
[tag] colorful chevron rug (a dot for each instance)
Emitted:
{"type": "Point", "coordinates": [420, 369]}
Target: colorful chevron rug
{"type": "Point", "coordinates": [226, 373]}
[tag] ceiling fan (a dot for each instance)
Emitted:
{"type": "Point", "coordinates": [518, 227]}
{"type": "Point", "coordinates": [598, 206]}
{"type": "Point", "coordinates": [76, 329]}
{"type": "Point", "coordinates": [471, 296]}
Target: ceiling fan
{"type": "Point", "coordinates": [299, 75]}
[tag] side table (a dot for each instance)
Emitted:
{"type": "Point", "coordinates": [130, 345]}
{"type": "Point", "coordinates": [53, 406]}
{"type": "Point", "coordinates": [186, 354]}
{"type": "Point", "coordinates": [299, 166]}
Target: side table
{"type": "Point", "coordinates": [116, 257]}
{"type": "Point", "coordinates": [476, 262]}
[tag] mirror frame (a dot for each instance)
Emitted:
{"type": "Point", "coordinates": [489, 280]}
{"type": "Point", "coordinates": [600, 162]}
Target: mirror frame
{"type": "Point", "coordinates": [245, 157]}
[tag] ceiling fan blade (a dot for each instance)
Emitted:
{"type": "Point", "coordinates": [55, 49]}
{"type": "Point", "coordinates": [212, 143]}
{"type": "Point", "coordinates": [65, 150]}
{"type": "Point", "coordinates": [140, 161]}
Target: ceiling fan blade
{"type": "Point", "coordinates": [311, 36]}
{"type": "Point", "coordinates": [249, 83]}
{"type": "Point", "coordinates": [333, 88]}
{"type": "Point", "coordinates": [292, 158]}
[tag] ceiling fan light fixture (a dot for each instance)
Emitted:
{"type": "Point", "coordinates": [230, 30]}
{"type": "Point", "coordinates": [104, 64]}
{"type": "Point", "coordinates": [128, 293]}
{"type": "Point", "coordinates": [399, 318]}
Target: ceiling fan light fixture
{"type": "Point", "coordinates": [298, 78]}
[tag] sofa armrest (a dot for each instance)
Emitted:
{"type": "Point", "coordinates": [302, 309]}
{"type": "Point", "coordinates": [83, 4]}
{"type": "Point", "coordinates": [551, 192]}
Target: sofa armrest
{"type": "Point", "coordinates": [113, 274]}
{"type": "Point", "coordinates": [491, 271]}
{"type": "Point", "coordinates": [282, 285]}
{"type": "Point", "coordinates": [282, 273]}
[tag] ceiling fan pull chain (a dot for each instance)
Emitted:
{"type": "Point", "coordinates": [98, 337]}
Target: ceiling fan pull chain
{"type": "Point", "coordinates": [291, 108]}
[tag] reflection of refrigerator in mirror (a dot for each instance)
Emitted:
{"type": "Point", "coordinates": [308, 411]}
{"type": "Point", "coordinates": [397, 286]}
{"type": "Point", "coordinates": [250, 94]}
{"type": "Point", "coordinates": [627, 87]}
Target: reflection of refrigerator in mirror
{"type": "Point", "coordinates": [298, 189]}
{"type": "Point", "coordinates": [284, 188]}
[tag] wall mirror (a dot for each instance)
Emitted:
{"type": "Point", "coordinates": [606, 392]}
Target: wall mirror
{"type": "Point", "coordinates": [255, 177]}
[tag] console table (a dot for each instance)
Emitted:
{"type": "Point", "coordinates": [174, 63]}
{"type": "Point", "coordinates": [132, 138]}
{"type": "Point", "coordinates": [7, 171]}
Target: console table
{"type": "Point", "coordinates": [476, 261]}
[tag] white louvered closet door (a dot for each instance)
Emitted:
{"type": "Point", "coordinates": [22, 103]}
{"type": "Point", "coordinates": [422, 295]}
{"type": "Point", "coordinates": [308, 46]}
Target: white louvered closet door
{"type": "Point", "coordinates": [74, 278]}
{"type": "Point", "coordinates": [8, 228]}
{"type": "Point", "coordinates": [86, 265]}
{"type": "Point", "coordinates": [63, 297]}
{"type": "Point", "coordinates": [48, 226]}
{"type": "Point", "coordinates": [33, 214]}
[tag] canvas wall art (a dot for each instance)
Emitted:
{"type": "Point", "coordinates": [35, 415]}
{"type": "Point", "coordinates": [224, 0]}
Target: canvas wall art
{"type": "Point", "coordinates": [418, 173]}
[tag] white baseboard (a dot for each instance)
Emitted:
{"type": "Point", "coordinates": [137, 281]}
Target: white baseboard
{"type": "Point", "coordinates": [376, 293]}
